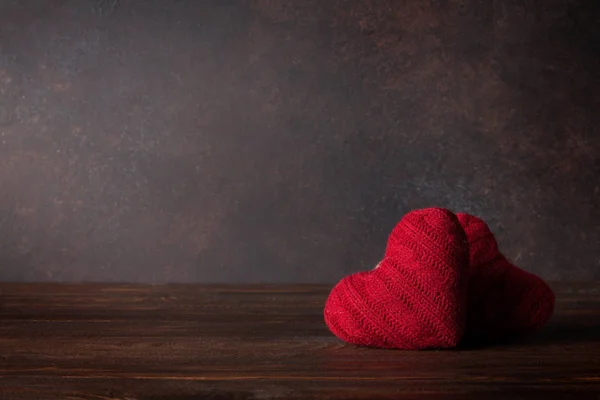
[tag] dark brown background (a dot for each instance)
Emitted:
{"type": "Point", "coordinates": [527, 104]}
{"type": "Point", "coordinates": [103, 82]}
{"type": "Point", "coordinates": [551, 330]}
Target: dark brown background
{"type": "Point", "coordinates": [263, 140]}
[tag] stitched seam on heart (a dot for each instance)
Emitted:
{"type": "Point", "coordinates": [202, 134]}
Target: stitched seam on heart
{"type": "Point", "coordinates": [357, 299]}
{"type": "Point", "coordinates": [426, 316]}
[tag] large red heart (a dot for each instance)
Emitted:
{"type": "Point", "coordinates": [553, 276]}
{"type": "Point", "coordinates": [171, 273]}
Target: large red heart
{"type": "Point", "coordinates": [415, 298]}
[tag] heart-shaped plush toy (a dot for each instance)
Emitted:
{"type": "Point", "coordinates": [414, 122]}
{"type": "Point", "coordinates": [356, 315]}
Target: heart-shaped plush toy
{"type": "Point", "coordinates": [415, 298]}
{"type": "Point", "coordinates": [503, 300]}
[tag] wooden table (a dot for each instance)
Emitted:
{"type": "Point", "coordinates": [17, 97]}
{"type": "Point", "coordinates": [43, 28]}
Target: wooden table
{"type": "Point", "coordinates": [264, 342]}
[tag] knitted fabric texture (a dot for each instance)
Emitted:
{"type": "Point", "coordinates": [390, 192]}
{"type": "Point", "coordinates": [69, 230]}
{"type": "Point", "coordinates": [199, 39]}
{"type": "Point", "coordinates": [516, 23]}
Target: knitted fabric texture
{"type": "Point", "coordinates": [503, 300]}
{"type": "Point", "coordinates": [415, 298]}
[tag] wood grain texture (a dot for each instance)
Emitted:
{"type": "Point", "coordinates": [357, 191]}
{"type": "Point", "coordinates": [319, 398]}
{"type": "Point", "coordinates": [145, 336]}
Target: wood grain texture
{"type": "Point", "coordinates": [185, 342]}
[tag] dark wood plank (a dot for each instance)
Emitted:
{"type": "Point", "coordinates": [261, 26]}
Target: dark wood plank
{"type": "Point", "coordinates": [187, 342]}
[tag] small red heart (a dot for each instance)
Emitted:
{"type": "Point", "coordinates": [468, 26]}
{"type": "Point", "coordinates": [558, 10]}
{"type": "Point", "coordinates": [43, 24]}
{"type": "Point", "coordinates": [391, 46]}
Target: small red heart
{"type": "Point", "coordinates": [415, 298]}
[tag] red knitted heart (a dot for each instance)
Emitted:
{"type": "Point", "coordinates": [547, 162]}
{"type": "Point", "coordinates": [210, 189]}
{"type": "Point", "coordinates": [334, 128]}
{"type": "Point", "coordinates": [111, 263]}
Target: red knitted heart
{"type": "Point", "coordinates": [414, 299]}
{"type": "Point", "coordinates": [503, 300]}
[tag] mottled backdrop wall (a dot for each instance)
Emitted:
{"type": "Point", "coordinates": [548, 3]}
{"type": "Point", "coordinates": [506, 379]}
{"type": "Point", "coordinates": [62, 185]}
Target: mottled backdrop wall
{"type": "Point", "coordinates": [269, 141]}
